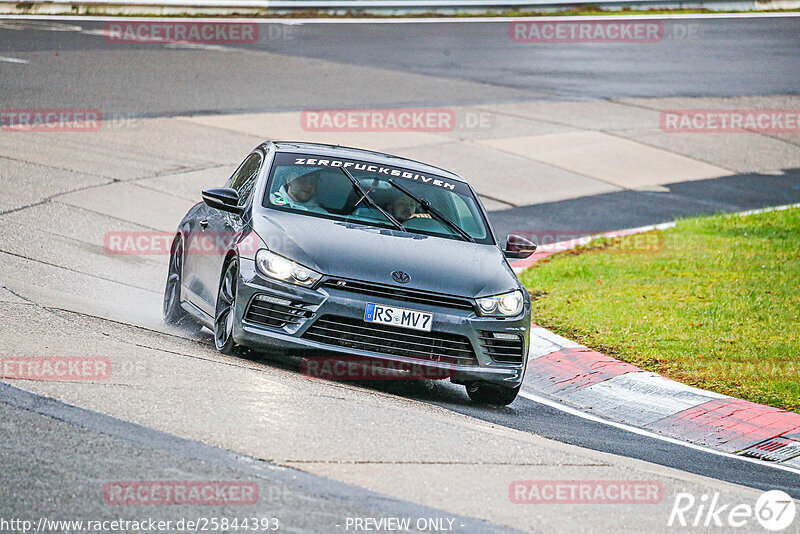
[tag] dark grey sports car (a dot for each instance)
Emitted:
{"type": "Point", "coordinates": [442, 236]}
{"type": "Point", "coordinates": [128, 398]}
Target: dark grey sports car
{"type": "Point", "coordinates": [313, 247]}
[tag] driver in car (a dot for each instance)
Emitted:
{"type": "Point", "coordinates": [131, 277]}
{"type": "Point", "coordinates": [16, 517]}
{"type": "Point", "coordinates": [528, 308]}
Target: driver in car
{"type": "Point", "coordinates": [403, 208]}
{"type": "Point", "coordinates": [300, 193]}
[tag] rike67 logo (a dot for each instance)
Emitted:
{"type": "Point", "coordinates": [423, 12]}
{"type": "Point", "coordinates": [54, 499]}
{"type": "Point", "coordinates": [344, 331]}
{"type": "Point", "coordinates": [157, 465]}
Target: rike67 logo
{"type": "Point", "coordinates": [774, 510]}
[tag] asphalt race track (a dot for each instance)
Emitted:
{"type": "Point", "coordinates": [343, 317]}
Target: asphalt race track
{"type": "Point", "coordinates": [180, 117]}
{"type": "Point", "coordinates": [696, 57]}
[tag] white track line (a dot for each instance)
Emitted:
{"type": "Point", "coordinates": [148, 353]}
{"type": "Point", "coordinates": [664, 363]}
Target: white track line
{"type": "Point", "coordinates": [12, 60]}
{"type": "Point", "coordinates": [767, 210]}
{"type": "Point", "coordinates": [420, 20]}
{"type": "Point", "coordinates": [642, 432]}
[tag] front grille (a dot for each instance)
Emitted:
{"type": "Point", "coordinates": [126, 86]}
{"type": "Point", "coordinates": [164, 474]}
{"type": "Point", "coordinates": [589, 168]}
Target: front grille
{"type": "Point", "coordinates": [357, 334]}
{"type": "Point", "coordinates": [508, 348]}
{"type": "Point", "coordinates": [273, 311]}
{"type": "Point", "coordinates": [396, 293]}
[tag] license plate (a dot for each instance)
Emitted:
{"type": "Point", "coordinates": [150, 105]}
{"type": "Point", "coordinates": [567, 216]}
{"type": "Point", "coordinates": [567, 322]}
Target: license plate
{"type": "Point", "coordinates": [416, 320]}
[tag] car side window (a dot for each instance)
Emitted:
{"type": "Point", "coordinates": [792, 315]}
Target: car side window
{"type": "Point", "coordinates": [244, 179]}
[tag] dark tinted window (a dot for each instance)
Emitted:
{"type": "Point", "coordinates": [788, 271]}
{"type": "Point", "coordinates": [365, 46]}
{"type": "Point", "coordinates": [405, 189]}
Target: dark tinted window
{"type": "Point", "coordinates": [244, 179]}
{"type": "Point", "coordinates": [318, 187]}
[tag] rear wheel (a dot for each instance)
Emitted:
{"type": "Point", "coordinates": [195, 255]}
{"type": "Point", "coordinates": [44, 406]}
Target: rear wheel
{"type": "Point", "coordinates": [172, 311]}
{"type": "Point", "coordinates": [490, 394]}
{"type": "Point", "coordinates": [225, 311]}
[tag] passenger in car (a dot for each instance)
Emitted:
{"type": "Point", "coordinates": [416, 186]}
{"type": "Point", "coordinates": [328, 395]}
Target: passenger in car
{"type": "Point", "coordinates": [300, 193]}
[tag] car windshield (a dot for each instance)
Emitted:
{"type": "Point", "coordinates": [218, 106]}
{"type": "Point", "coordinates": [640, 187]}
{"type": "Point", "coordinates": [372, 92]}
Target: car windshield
{"type": "Point", "coordinates": [317, 186]}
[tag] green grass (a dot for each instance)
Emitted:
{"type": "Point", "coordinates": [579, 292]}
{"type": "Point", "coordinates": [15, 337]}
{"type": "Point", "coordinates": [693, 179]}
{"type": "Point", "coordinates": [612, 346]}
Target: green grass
{"type": "Point", "coordinates": [713, 302]}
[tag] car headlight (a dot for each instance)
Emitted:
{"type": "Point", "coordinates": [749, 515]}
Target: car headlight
{"type": "Point", "coordinates": [274, 266]}
{"type": "Point", "coordinates": [505, 305]}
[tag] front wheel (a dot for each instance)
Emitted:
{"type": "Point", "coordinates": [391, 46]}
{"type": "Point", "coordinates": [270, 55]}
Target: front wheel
{"type": "Point", "coordinates": [489, 394]}
{"type": "Point", "coordinates": [172, 311]}
{"type": "Point", "coordinates": [226, 309]}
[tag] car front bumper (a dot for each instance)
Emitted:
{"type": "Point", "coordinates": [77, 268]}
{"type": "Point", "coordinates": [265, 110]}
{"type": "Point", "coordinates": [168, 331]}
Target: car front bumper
{"type": "Point", "coordinates": [350, 305]}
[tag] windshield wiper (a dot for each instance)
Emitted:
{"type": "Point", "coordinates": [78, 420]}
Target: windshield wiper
{"type": "Point", "coordinates": [426, 205]}
{"type": "Point", "coordinates": [372, 203]}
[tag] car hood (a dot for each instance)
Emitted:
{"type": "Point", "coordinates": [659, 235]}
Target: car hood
{"type": "Point", "coordinates": [361, 252]}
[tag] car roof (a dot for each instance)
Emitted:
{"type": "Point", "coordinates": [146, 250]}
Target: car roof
{"type": "Point", "coordinates": [363, 155]}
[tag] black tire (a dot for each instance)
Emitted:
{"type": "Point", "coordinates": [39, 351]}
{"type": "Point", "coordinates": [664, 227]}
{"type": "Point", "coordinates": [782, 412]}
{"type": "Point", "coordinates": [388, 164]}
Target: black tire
{"type": "Point", "coordinates": [171, 311]}
{"type": "Point", "coordinates": [224, 314]}
{"type": "Point", "coordinates": [489, 394]}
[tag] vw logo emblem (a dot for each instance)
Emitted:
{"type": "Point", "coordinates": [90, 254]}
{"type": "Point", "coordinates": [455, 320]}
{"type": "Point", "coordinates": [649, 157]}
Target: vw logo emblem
{"type": "Point", "coordinates": [400, 277]}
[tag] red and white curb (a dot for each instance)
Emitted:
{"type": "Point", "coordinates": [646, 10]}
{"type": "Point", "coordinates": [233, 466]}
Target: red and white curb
{"type": "Point", "coordinates": [561, 369]}
{"type": "Point", "coordinates": [612, 390]}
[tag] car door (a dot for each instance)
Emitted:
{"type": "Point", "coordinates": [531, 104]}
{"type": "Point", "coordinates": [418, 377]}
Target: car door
{"type": "Point", "coordinates": [223, 228]}
{"type": "Point", "coordinates": [196, 239]}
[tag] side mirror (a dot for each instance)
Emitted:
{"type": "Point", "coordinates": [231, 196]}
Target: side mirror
{"type": "Point", "coordinates": [223, 198]}
{"type": "Point", "coordinates": [518, 248]}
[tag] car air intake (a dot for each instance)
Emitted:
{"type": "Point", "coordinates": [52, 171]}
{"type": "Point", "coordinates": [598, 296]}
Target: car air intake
{"type": "Point", "coordinates": [502, 347]}
{"type": "Point", "coordinates": [274, 311]}
{"type": "Point", "coordinates": [396, 293]}
{"type": "Point", "coordinates": [357, 334]}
